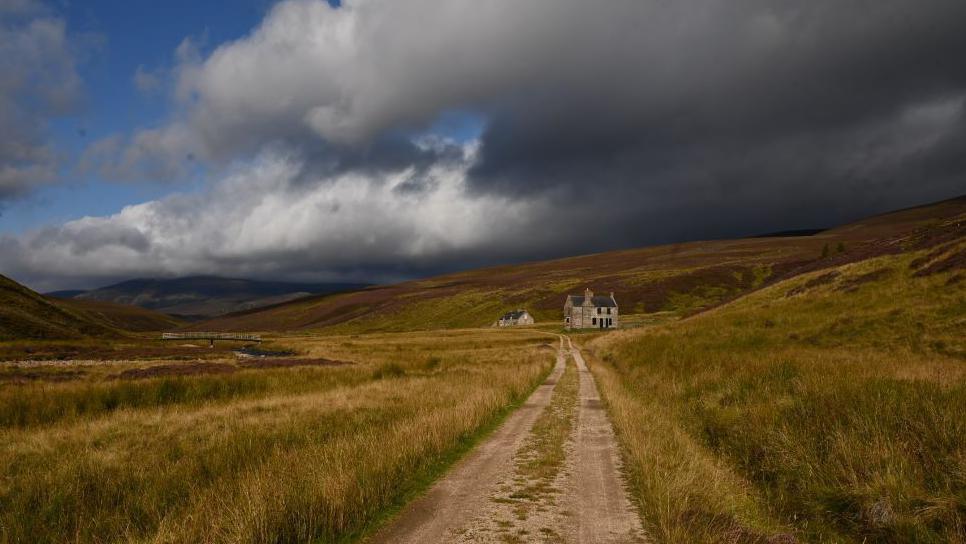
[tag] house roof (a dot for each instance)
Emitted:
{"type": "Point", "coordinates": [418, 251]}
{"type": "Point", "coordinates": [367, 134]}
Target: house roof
{"type": "Point", "coordinates": [597, 301]}
{"type": "Point", "coordinates": [516, 314]}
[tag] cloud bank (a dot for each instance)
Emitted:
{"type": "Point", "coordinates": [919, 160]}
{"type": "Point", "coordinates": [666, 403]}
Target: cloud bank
{"type": "Point", "coordinates": [264, 220]}
{"type": "Point", "coordinates": [38, 82]}
{"type": "Point", "coordinates": [606, 125]}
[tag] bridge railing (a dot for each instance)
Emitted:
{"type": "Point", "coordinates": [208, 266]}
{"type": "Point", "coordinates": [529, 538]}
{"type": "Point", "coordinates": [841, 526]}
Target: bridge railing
{"type": "Point", "coordinates": [210, 336]}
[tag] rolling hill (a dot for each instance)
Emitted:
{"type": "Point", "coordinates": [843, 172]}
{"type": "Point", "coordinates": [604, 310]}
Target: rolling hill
{"type": "Point", "coordinates": [204, 296]}
{"type": "Point", "coordinates": [680, 278]}
{"type": "Point", "coordinates": [27, 315]}
{"type": "Point", "coordinates": [123, 316]}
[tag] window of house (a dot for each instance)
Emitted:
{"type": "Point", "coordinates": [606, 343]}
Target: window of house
{"type": "Point", "coordinates": [593, 321]}
{"type": "Point", "coordinates": [608, 311]}
{"type": "Point", "coordinates": [598, 311]}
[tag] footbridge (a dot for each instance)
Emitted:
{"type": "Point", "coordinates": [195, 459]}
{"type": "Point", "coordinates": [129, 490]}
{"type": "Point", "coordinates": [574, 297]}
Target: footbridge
{"type": "Point", "coordinates": [211, 336]}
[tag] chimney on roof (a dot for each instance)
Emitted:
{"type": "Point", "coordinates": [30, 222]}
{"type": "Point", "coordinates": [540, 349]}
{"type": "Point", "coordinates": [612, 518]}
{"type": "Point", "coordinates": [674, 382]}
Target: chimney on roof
{"type": "Point", "coordinates": [611, 294]}
{"type": "Point", "coordinates": [588, 293]}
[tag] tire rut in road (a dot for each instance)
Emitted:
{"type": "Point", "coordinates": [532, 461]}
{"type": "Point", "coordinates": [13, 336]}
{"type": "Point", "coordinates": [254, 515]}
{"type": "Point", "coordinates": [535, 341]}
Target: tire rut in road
{"type": "Point", "coordinates": [598, 492]}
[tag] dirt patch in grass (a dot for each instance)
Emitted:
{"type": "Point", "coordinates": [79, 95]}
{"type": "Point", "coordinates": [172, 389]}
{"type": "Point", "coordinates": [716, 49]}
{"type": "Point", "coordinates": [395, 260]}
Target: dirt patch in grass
{"type": "Point", "coordinates": [852, 284]}
{"type": "Point", "coordinates": [286, 363]}
{"type": "Point", "coordinates": [953, 261]}
{"type": "Point", "coordinates": [72, 352]}
{"type": "Point", "coordinates": [739, 534]}
{"type": "Point", "coordinates": [946, 231]}
{"type": "Point", "coordinates": [259, 352]}
{"type": "Point", "coordinates": [189, 369]}
{"type": "Point", "coordinates": [18, 376]}
{"type": "Point", "coordinates": [824, 279]}
{"type": "Point", "coordinates": [151, 352]}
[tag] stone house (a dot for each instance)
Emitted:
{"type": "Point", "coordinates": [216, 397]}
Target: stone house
{"type": "Point", "coordinates": [590, 312]}
{"type": "Point", "coordinates": [514, 318]}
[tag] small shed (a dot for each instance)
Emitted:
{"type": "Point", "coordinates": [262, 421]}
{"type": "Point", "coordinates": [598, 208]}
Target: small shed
{"type": "Point", "coordinates": [515, 318]}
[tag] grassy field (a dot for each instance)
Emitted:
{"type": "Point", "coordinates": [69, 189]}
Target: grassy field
{"type": "Point", "coordinates": [830, 406]}
{"type": "Point", "coordinates": [252, 453]}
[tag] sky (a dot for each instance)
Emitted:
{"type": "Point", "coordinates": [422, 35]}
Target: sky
{"type": "Point", "coordinates": [380, 140]}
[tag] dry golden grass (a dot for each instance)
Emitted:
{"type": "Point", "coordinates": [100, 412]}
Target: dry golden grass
{"type": "Point", "coordinates": [307, 454]}
{"type": "Point", "coordinates": [828, 406]}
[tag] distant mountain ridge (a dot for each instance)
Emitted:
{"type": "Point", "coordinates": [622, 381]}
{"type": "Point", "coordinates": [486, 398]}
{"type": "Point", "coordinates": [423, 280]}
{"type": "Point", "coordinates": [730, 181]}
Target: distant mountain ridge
{"type": "Point", "coordinates": [790, 233]}
{"type": "Point", "coordinates": [205, 296]}
{"type": "Point", "coordinates": [65, 294]}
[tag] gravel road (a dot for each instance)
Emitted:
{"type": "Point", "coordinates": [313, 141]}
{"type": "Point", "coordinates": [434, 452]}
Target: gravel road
{"type": "Point", "coordinates": [589, 502]}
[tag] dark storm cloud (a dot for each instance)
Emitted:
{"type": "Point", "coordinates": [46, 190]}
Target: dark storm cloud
{"type": "Point", "coordinates": [769, 97]}
{"type": "Point", "coordinates": [573, 90]}
{"type": "Point", "coordinates": [386, 153]}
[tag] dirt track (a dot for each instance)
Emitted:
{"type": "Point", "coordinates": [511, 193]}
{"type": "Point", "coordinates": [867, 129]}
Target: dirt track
{"type": "Point", "coordinates": [589, 503]}
{"type": "Point", "coordinates": [597, 495]}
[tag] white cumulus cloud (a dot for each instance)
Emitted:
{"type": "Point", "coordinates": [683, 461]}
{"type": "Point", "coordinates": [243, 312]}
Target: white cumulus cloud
{"type": "Point", "coordinates": [264, 218]}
